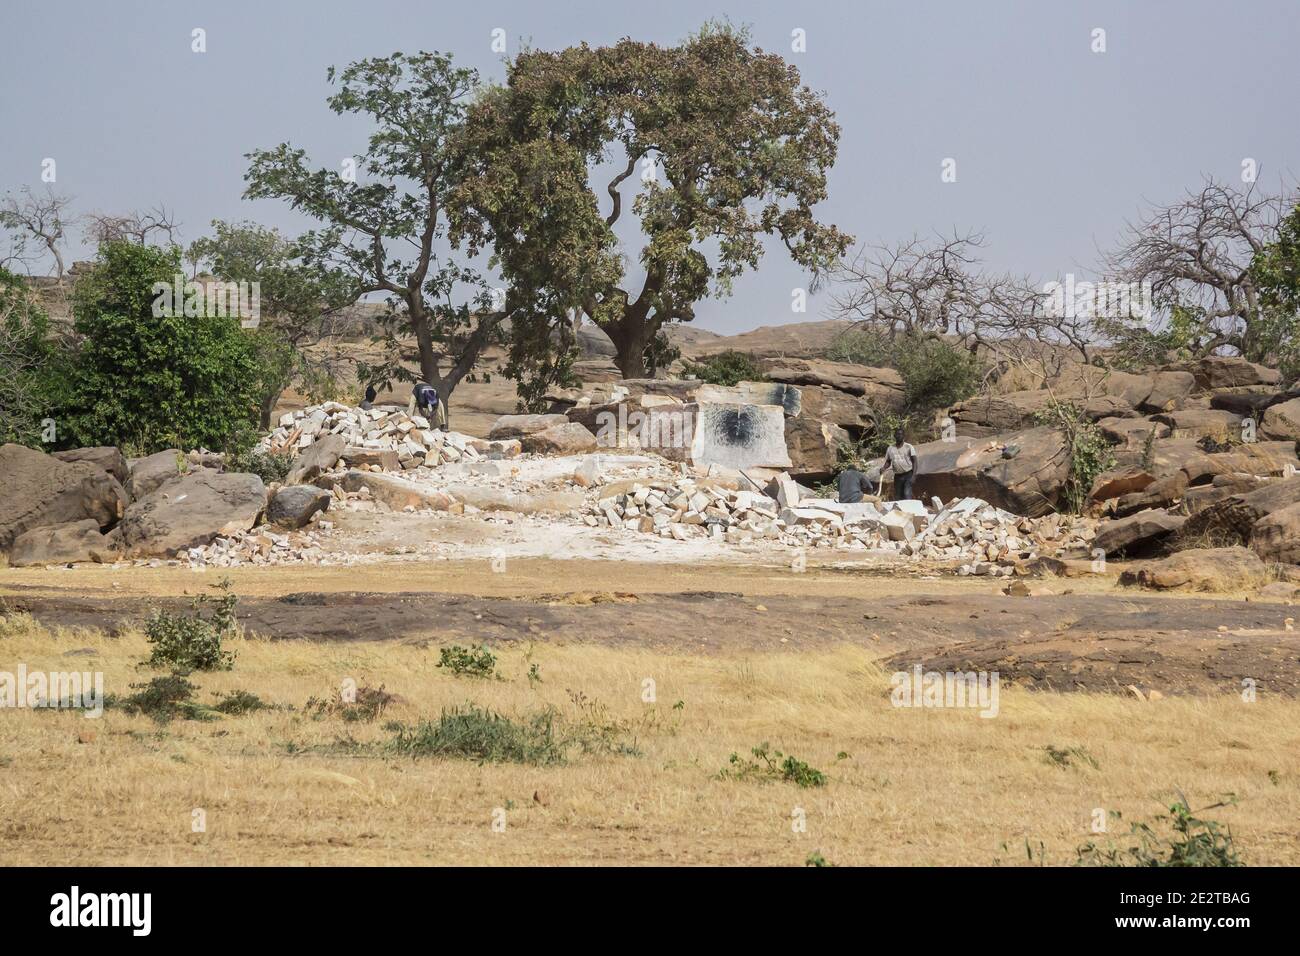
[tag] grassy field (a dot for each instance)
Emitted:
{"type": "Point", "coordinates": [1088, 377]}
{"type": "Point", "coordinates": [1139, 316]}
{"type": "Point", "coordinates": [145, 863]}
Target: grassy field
{"type": "Point", "coordinates": [904, 786]}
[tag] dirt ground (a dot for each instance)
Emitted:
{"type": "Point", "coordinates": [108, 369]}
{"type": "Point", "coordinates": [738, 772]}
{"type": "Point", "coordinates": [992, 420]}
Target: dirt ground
{"type": "Point", "coordinates": [737, 655]}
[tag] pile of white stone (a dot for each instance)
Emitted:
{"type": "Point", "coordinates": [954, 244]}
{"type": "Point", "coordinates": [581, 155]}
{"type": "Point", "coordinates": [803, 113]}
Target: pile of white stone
{"type": "Point", "coordinates": [969, 530]}
{"type": "Point", "coordinates": [373, 435]}
{"type": "Point", "coordinates": [258, 547]}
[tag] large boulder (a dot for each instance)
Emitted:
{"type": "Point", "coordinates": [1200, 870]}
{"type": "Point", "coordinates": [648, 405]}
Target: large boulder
{"type": "Point", "coordinates": [850, 412]}
{"type": "Point", "coordinates": [1132, 433]}
{"type": "Point", "coordinates": [1222, 426]}
{"type": "Point", "coordinates": [293, 505]}
{"type": "Point", "coordinates": [739, 436]}
{"type": "Point", "coordinates": [1248, 401]}
{"type": "Point", "coordinates": [1221, 371]}
{"type": "Point", "coordinates": [789, 397]}
{"type": "Point", "coordinates": [106, 457]}
{"type": "Point", "coordinates": [1282, 422]}
{"type": "Point", "coordinates": [1117, 482]}
{"type": "Point", "coordinates": [1276, 536]}
{"type": "Point", "coordinates": [1078, 381]}
{"type": "Point", "coordinates": [517, 426]}
{"type": "Point", "coordinates": [814, 448]}
{"type": "Point", "coordinates": [564, 438]}
{"type": "Point", "coordinates": [1202, 569]}
{"type": "Point", "coordinates": [1139, 534]}
{"type": "Point", "coordinates": [61, 544]}
{"type": "Point", "coordinates": [397, 493]}
{"type": "Point", "coordinates": [883, 387]}
{"type": "Point", "coordinates": [994, 414]}
{"type": "Point", "coordinates": [191, 510]}
{"type": "Point", "coordinates": [316, 459]}
{"type": "Point", "coordinates": [153, 471]}
{"type": "Point", "coordinates": [1233, 519]}
{"type": "Point", "coordinates": [1161, 493]}
{"type": "Point", "coordinates": [1023, 472]}
{"type": "Point", "coordinates": [1169, 390]}
{"type": "Point", "coordinates": [41, 491]}
{"type": "Point", "coordinates": [1252, 458]}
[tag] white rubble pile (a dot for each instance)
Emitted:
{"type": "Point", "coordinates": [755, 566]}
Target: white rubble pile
{"type": "Point", "coordinates": [379, 429]}
{"type": "Point", "coordinates": [970, 530]}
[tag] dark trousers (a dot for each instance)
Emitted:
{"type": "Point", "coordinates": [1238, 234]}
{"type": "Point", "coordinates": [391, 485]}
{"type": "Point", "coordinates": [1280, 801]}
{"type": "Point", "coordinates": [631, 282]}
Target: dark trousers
{"type": "Point", "coordinates": [903, 485]}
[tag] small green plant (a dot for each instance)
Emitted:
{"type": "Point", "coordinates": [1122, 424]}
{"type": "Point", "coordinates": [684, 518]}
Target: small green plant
{"type": "Point", "coordinates": [467, 661]}
{"type": "Point", "coordinates": [1191, 841]}
{"type": "Point", "coordinates": [534, 675]}
{"type": "Point", "coordinates": [773, 765]}
{"type": "Point", "coordinates": [164, 699]}
{"type": "Point", "coordinates": [1064, 757]}
{"type": "Point", "coordinates": [194, 641]}
{"type": "Point", "coordinates": [1090, 453]}
{"type": "Point", "coordinates": [815, 858]}
{"type": "Point", "coordinates": [725, 368]}
{"type": "Point", "coordinates": [239, 702]}
{"type": "Point", "coordinates": [269, 466]}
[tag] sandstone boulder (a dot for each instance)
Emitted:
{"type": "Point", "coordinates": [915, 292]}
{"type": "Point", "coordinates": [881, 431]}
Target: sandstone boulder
{"type": "Point", "coordinates": [1169, 389]}
{"type": "Point", "coordinates": [1161, 493]}
{"type": "Point", "coordinates": [104, 456]}
{"type": "Point", "coordinates": [150, 473]}
{"type": "Point", "coordinates": [395, 492]}
{"type": "Point", "coordinates": [1282, 422]}
{"type": "Point", "coordinates": [1120, 481]}
{"type": "Point", "coordinates": [1276, 536]}
{"type": "Point", "coordinates": [994, 414]}
{"type": "Point", "coordinates": [190, 511]}
{"type": "Point", "coordinates": [853, 413]}
{"type": "Point", "coordinates": [567, 438]}
{"type": "Point", "coordinates": [318, 457]}
{"type": "Point", "coordinates": [883, 387]}
{"type": "Point", "coordinates": [1137, 535]}
{"type": "Point", "coordinates": [1198, 423]}
{"type": "Point", "coordinates": [1221, 371]}
{"type": "Point", "coordinates": [814, 447]}
{"type": "Point", "coordinates": [293, 505]}
{"type": "Point", "coordinates": [1202, 569]}
{"type": "Point", "coordinates": [40, 491]}
{"type": "Point", "coordinates": [1233, 519]}
{"type": "Point", "coordinates": [69, 543]}
{"type": "Point", "coordinates": [386, 459]}
{"type": "Point", "coordinates": [517, 426]}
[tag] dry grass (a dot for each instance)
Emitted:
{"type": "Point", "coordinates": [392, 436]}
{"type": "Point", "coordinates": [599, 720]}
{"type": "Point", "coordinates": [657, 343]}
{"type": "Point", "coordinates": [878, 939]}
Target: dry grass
{"type": "Point", "coordinates": [919, 787]}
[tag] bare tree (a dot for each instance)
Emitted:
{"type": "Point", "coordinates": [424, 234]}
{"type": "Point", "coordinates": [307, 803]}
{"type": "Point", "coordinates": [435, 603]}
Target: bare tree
{"type": "Point", "coordinates": [1196, 254]}
{"type": "Point", "coordinates": [133, 226]}
{"type": "Point", "coordinates": [39, 218]}
{"type": "Point", "coordinates": [937, 287]}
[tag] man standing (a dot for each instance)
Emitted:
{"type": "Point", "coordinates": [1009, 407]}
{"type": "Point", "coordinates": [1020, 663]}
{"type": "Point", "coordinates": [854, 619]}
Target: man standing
{"type": "Point", "coordinates": [901, 458]}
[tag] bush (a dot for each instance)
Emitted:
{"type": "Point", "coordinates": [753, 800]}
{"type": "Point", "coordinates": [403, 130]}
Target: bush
{"type": "Point", "coordinates": [269, 466]}
{"type": "Point", "coordinates": [725, 368]}
{"type": "Point", "coordinates": [33, 366]}
{"type": "Point", "coordinates": [1090, 452]}
{"type": "Point", "coordinates": [484, 736]}
{"type": "Point", "coordinates": [1192, 842]}
{"type": "Point", "coordinates": [935, 372]}
{"type": "Point", "coordinates": [193, 642]}
{"type": "Point", "coordinates": [153, 382]}
{"type": "Point", "coordinates": [166, 698]}
{"type": "Point", "coordinates": [467, 662]}
{"type": "Point", "coordinates": [369, 704]}
{"type": "Point", "coordinates": [773, 765]}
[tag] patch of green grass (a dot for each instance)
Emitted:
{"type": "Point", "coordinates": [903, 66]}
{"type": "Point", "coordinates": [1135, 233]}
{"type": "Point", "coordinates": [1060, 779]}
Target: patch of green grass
{"type": "Point", "coordinates": [1189, 841]}
{"type": "Point", "coordinates": [773, 765]}
{"type": "Point", "coordinates": [467, 661]}
{"type": "Point", "coordinates": [477, 734]}
{"type": "Point", "coordinates": [1069, 757]}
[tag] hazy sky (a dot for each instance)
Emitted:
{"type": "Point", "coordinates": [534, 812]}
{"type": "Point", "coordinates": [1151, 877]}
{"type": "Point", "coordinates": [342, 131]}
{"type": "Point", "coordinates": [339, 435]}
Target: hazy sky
{"type": "Point", "coordinates": [1055, 145]}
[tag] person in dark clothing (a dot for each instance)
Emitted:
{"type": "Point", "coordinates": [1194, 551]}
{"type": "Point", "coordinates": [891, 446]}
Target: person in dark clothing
{"type": "Point", "coordinates": [853, 484]}
{"type": "Point", "coordinates": [371, 395]}
{"type": "Point", "coordinates": [425, 400]}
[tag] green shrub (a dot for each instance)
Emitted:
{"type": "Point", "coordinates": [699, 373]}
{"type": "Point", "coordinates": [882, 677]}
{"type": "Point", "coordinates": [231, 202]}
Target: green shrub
{"type": "Point", "coordinates": [482, 735]}
{"type": "Point", "coordinates": [193, 641]}
{"type": "Point", "coordinates": [725, 368]}
{"type": "Point", "coordinates": [155, 382]}
{"type": "Point", "coordinates": [936, 373]}
{"type": "Point", "coordinates": [1068, 756]}
{"type": "Point", "coordinates": [1191, 841]}
{"type": "Point", "coordinates": [269, 466]}
{"type": "Point", "coordinates": [239, 702]}
{"type": "Point", "coordinates": [773, 765]}
{"type": "Point", "coordinates": [1090, 453]}
{"type": "Point", "coordinates": [467, 661]}
{"type": "Point", "coordinates": [33, 367]}
{"type": "Point", "coordinates": [368, 705]}
{"type": "Point", "coordinates": [165, 698]}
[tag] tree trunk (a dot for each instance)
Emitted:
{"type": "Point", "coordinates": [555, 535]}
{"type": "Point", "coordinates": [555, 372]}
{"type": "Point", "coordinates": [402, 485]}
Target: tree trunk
{"type": "Point", "coordinates": [269, 401]}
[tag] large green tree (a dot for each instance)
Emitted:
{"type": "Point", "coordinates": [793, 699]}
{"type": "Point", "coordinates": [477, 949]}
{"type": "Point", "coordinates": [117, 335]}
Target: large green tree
{"type": "Point", "coordinates": [1276, 272]}
{"type": "Point", "coordinates": [151, 374]}
{"type": "Point", "coordinates": [298, 301]}
{"type": "Point", "coordinates": [384, 219]}
{"type": "Point", "coordinates": [739, 149]}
